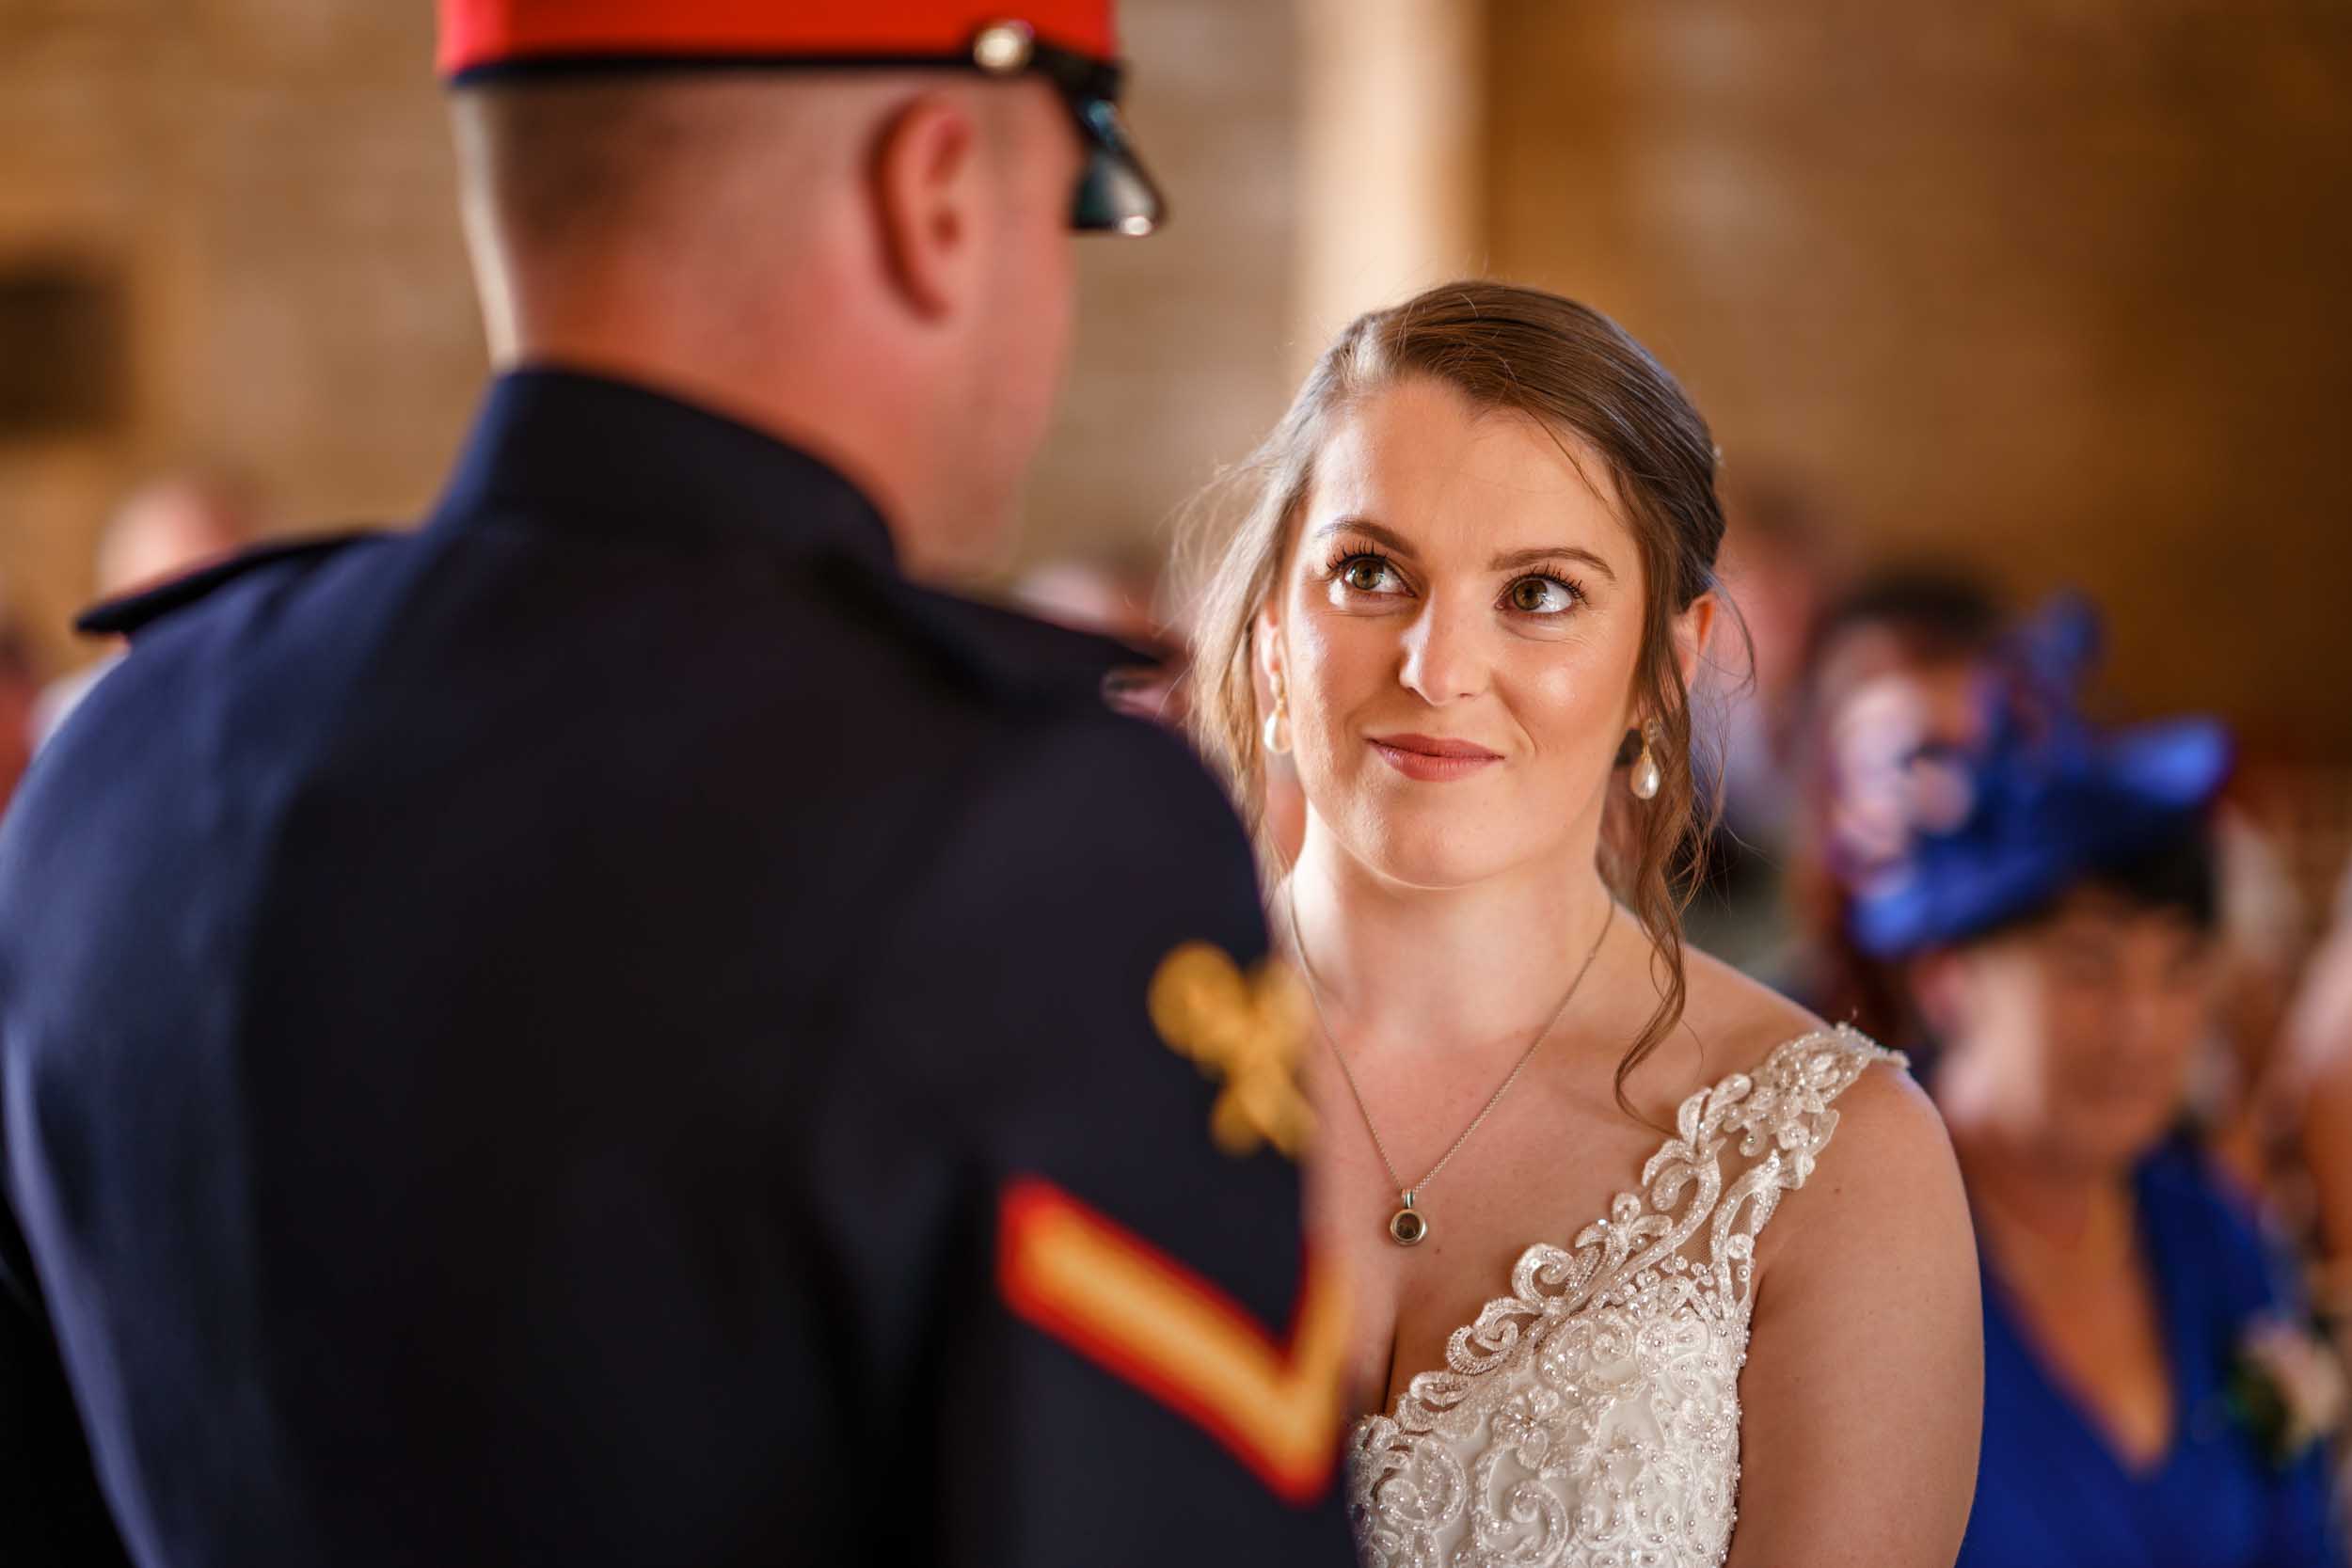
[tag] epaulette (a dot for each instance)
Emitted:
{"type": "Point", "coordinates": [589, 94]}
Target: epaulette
{"type": "Point", "coordinates": [122, 616]}
{"type": "Point", "coordinates": [1017, 656]}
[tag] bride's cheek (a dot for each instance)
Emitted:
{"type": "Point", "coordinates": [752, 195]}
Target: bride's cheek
{"type": "Point", "coordinates": [1328, 665]}
{"type": "Point", "coordinates": [1572, 722]}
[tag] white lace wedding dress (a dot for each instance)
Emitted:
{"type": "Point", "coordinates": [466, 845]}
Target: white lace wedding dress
{"type": "Point", "coordinates": [1591, 1417]}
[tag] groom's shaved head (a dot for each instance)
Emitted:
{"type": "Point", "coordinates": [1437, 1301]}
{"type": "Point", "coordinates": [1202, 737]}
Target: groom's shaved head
{"type": "Point", "coordinates": [873, 260]}
{"type": "Point", "coordinates": [629, 160]}
{"type": "Point", "coordinates": [712, 181]}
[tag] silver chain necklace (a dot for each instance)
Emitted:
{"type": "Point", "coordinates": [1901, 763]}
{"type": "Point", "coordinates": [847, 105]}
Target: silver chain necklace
{"type": "Point", "coordinates": [1409, 1227]}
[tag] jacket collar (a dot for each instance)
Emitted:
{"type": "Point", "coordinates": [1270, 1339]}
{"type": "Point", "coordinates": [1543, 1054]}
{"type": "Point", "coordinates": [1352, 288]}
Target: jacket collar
{"type": "Point", "coordinates": [616, 458]}
{"type": "Point", "coordinates": [575, 453]}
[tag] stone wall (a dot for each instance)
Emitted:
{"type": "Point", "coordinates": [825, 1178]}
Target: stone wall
{"type": "Point", "coordinates": [2056, 290]}
{"type": "Point", "coordinates": [1184, 339]}
{"type": "Point", "coordinates": [267, 184]}
{"type": "Point", "coordinates": [266, 187]}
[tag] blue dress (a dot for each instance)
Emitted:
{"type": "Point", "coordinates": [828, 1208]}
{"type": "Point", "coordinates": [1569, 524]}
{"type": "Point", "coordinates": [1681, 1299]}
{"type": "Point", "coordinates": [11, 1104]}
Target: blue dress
{"type": "Point", "coordinates": [2051, 1492]}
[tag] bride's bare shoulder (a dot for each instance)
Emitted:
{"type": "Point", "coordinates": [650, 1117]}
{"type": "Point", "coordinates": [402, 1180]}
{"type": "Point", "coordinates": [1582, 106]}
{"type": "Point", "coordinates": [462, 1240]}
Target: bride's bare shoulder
{"type": "Point", "coordinates": [1735, 1019]}
{"type": "Point", "coordinates": [1882, 1182]}
{"type": "Point", "coordinates": [1732, 1024]}
{"type": "Point", "coordinates": [1890, 1152]}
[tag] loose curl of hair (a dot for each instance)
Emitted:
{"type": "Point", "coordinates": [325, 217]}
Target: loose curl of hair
{"type": "Point", "coordinates": [1577, 374]}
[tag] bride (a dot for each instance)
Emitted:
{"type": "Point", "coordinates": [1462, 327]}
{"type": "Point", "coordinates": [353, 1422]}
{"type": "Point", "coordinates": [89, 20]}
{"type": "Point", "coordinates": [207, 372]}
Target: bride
{"type": "Point", "coordinates": [1581, 1175]}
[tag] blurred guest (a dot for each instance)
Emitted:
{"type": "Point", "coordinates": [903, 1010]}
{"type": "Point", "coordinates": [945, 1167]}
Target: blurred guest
{"type": "Point", "coordinates": [1110, 596]}
{"type": "Point", "coordinates": [20, 691]}
{"type": "Point", "coordinates": [2242, 1088]}
{"type": "Point", "coordinates": [1892, 671]}
{"type": "Point", "coordinates": [1119, 599]}
{"type": "Point", "coordinates": [174, 524]}
{"type": "Point", "coordinates": [2150, 1398]}
{"type": "Point", "coordinates": [2317, 1084]}
{"type": "Point", "coordinates": [1124, 600]}
{"type": "Point", "coordinates": [1779, 566]}
{"type": "Point", "coordinates": [177, 523]}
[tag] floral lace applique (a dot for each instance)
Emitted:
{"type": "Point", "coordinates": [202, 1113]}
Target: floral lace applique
{"type": "Point", "coordinates": [1591, 1417]}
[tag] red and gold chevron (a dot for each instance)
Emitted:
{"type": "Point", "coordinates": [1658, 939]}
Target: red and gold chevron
{"type": "Point", "coordinates": [1129, 1307]}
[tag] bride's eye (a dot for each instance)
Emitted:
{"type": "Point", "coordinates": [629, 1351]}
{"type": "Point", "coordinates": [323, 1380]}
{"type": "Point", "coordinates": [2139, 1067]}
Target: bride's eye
{"type": "Point", "coordinates": [1543, 595]}
{"type": "Point", "coordinates": [1367, 574]}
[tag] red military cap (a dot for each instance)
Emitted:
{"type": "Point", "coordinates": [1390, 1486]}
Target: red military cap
{"type": "Point", "coordinates": [1072, 42]}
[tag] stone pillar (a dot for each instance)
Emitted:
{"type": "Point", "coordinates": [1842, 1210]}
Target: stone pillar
{"type": "Point", "coordinates": [1391, 156]}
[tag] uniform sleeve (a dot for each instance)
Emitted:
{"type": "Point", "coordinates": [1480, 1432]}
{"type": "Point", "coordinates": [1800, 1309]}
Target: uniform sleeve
{"type": "Point", "coordinates": [1129, 1356]}
{"type": "Point", "coordinates": [50, 1508]}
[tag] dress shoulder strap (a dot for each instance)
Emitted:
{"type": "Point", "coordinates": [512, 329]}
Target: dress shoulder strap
{"type": "Point", "coordinates": [1690, 1221]}
{"type": "Point", "coordinates": [1779, 1116]}
{"type": "Point", "coordinates": [1785, 1106]}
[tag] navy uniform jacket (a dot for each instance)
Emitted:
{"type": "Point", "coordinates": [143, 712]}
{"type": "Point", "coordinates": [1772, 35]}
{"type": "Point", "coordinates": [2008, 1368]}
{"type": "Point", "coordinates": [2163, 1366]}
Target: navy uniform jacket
{"type": "Point", "coordinates": [518, 1038]}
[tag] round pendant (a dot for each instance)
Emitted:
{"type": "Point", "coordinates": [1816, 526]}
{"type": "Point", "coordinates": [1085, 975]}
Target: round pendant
{"type": "Point", "coordinates": [1405, 1227]}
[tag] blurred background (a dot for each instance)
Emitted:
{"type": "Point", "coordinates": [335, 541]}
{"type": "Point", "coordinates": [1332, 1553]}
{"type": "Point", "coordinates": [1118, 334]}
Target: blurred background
{"type": "Point", "coordinates": [2048, 290]}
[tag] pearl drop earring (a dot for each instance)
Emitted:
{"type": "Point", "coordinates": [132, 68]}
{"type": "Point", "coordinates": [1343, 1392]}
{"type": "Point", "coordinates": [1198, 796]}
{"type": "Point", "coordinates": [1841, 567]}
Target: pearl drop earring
{"type": "Point", "coordinates": [1276, 734]}
{"type": "Point", "coordinates": [1648, 776]}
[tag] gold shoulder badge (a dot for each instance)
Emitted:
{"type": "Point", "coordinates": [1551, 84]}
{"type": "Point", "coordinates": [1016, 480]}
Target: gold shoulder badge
{"type": "Point", "coordinates": [1244, 1030]}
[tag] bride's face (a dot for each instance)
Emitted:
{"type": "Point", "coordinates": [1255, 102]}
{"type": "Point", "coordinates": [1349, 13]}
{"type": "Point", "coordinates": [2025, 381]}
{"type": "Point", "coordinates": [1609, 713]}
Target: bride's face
{"type": "Point", "coordinates": [1456, 629]}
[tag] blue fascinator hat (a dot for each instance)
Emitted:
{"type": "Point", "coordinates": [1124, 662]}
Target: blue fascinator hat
{"type": "Point", "coordinates": [1999, 828]}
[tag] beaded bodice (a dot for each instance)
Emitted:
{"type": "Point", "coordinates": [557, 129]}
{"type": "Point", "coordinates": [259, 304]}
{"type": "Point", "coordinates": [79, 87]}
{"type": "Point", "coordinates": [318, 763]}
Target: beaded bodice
{"type": "Point", "coordinates": [1591, 1416]}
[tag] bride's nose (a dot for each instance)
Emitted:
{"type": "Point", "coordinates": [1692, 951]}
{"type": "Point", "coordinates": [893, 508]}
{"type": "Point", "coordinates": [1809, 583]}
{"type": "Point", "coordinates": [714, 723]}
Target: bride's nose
{"type": "Point", "coordinates": [1445, 658]}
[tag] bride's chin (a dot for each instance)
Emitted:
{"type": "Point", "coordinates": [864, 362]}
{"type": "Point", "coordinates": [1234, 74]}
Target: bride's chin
{"type": "Point", "coordinates": [1421, 858]}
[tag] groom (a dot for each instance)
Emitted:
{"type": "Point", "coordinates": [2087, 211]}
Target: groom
{"type": "Point", "coordinates": [617, 1028]}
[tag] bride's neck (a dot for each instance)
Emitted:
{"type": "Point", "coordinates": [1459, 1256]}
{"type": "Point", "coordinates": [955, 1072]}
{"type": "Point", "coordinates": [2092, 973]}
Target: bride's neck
{"type": "Point", "coordinates": [1397, 966]}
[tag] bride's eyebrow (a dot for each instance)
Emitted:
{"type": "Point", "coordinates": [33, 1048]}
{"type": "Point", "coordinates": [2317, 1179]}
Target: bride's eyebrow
{"type": "Point", "coordinates": [1515, 559]}
{"type": "Point", "coordinates": [1511, 560]}
{"type": "Point", "coordinates": [1387, 538]}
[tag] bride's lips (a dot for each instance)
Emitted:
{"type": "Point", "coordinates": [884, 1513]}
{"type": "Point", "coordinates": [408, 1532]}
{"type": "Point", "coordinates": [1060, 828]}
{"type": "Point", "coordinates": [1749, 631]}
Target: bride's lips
{"type": "Point", "coordinates": [1430, 759]}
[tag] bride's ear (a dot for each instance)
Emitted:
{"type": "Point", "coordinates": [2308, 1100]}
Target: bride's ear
{"type": "Point", "coordinates": [1694, 631]}
{"type": "Point", "coordinates": [1266, 641]}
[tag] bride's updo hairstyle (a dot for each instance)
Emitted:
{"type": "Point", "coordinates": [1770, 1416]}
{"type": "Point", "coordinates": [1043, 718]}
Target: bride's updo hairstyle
{"type": "Point", "coordinates": [1577, 374]}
